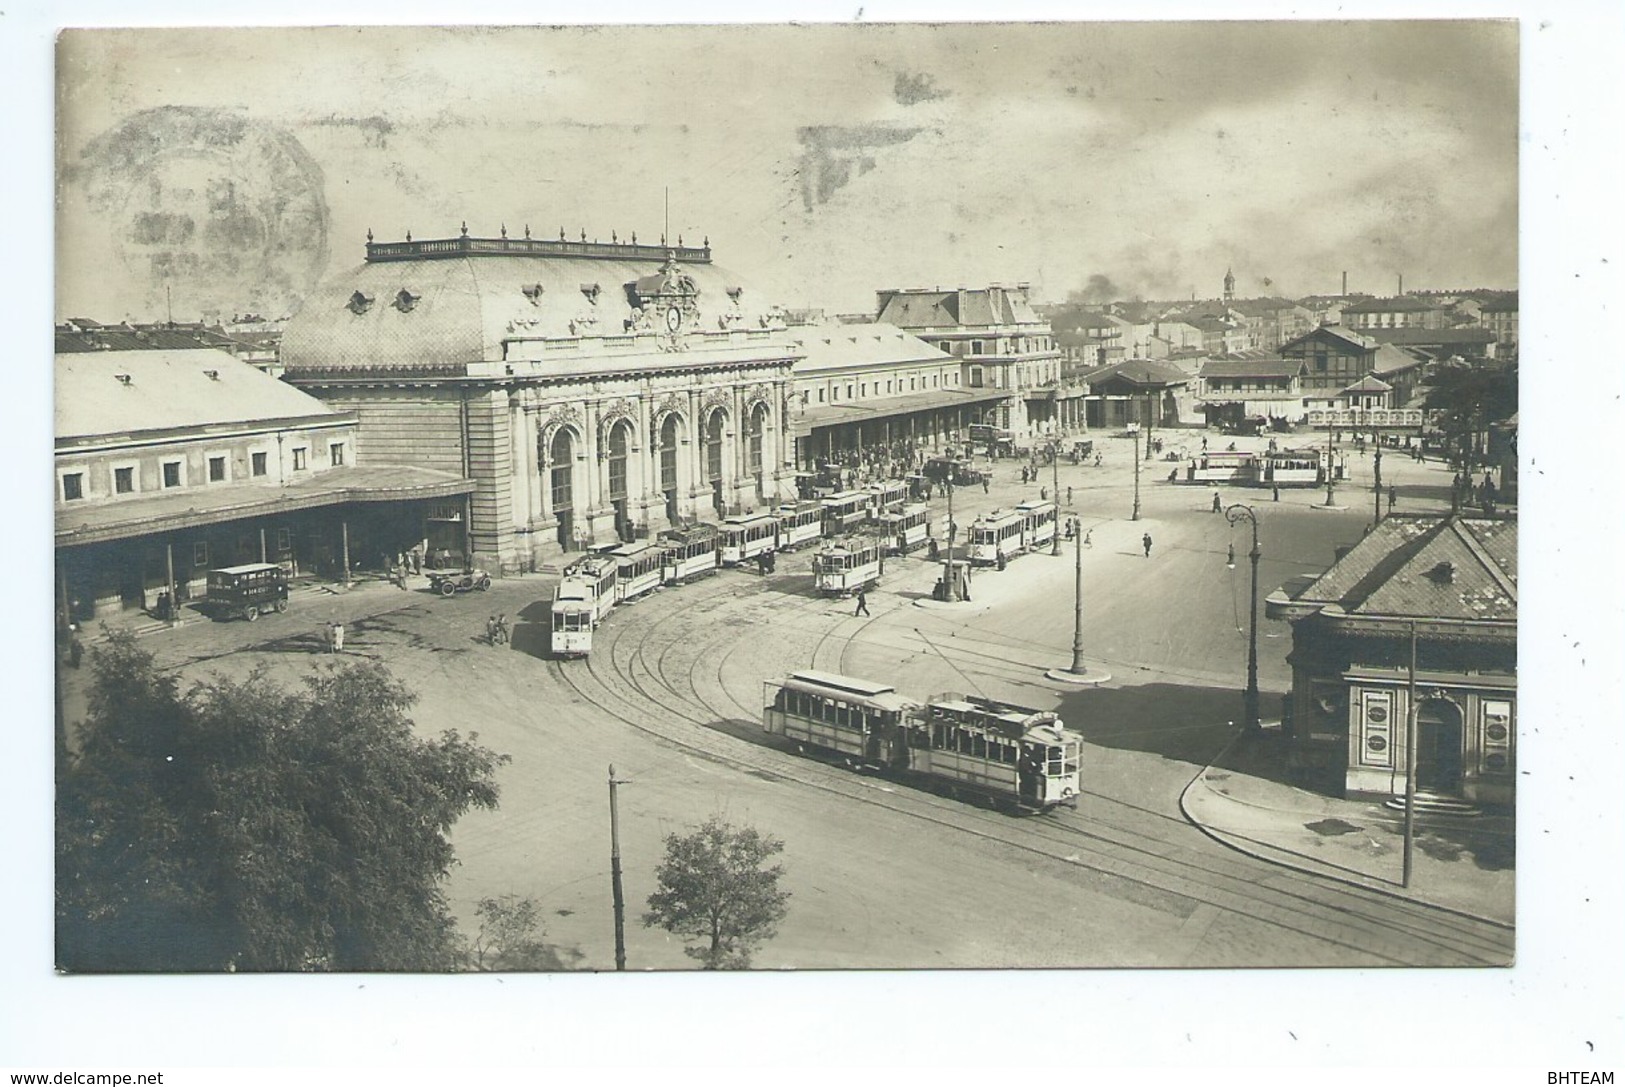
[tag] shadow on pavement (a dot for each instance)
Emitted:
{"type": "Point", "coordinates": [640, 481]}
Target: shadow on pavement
{"type": "Point", "coordinates": [1189, 724]}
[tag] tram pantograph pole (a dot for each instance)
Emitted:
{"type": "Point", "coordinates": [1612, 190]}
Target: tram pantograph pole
{"type": "Point", "coordinates": [1055, 485]}
{"type": "Point", "coordinates": [1136, 514]}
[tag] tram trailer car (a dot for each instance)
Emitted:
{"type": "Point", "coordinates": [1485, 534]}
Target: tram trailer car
{"type": "Point", "coordinates": [887, 496]}
{"type": "Point", "coordinates": [845, 511]}
{"type": "Point", "coordinates": [585, 595]}
{"type": "Point", "coordinates": [997, 535]}
{"type": "Point", "coordinates": [637, 569]}
{"type": "Point", "coordinates": [688, 553]}
{"type": "Point", "coordinates": [1293, 468]}
{"type": "Point", "coordinates": [1014, 757]}
{"type": "Point", "coordinates": [744, 536]}
{"type": "Point", "coordinates": [845, 566]}
{"type": "Point", "coordinates": [857, 721]}
{"type": "Point", "coordinates": [1224, 466]}
{"type": "Point", "coordinates": [800, 522]}
{"type": "Point", "coordinates": [906, 529]}
{"type": "Point", "coordinates": [1040, 523]}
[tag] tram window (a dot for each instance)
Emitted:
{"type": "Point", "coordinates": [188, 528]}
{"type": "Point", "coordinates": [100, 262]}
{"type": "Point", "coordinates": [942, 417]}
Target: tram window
{"type": "Point", "coordinates": [978, 747]}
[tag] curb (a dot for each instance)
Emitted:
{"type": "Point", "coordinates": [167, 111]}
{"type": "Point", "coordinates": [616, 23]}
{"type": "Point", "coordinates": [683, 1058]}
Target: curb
{"type": "Point", "coordinates": [1233, 841]}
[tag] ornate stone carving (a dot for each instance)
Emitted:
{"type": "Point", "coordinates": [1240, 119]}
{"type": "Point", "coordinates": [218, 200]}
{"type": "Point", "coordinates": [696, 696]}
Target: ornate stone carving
{"type": "Point", "coordinates": [613, 412]}
{"type": "Point", "coordinates": [760, 393]}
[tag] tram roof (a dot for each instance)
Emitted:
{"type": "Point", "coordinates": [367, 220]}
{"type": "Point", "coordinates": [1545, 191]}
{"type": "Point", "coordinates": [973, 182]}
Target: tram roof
{"type": "Point", "coordinates": [850, 684]}
{"type": "Point", "coordinates": [994, 517]}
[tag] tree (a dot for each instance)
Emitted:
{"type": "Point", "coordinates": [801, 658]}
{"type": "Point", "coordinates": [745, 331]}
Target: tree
{"type": "Point", "coordinates": [1467, 398]}
{"type": "Point", "coordinates": [247, 826]}
{"type": "Point", "coordinates": [713, 888]}
{"type": "Point", "coordinates": [510, 936]}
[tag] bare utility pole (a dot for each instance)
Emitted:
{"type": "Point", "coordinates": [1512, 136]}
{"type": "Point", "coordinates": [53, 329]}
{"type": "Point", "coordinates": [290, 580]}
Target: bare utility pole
{"type": "Point", "coordinates": [615, 871]}
{"type": "Point", "coordinates": [1055, 485]}
{"type": "Point", "coordinates": [952, 574]}
{"type": "Point", "coordinates": [1412, 719]}
{"type": "Point", "coordinates": [1330, 468]}
{"type": "Point", "coordinates": [1136, 515]}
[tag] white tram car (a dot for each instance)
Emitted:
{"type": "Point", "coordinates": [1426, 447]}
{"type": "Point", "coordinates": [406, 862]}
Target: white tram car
{"type": "Point", "coordinates": [845, 511]}
{"type": "Point", "coordinates": [800, 522]}
{"type": "Point", "coordinates": [744, 536]}
{"type": "Point", "coordinates": [997, 535]}
{"type": "Point", "coordinates": [583, 598]}
{"type": "Point", "coordinates": [845, 566]}
{"type": "Point", "coordinates": [886, 496]}
{"type": "Point", "coordinates": [1293, 468]}
{"type": "Point", "coordinates": [906, 529]}
{"type": "Point", "coordinates": [1040, 523]}
{"type": "Point", "coordinates": [637, 569]}
{"type": "Point", "coordinates": [688, 553]}
{"type": "Point", "coordinates": [1006, 754]}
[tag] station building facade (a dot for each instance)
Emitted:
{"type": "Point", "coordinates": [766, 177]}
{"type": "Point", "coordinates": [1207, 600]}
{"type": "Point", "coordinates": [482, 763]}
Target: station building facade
{"type": "Point", "coordinates": [1441, 587]}
{"type": "Point", "coordinates": [171, 462]}
{"type": "Point", "coordinates": [1004, 346]}
{"type": "Point", "coordinates": [592, 391]}
{"type": "Point", "coordinates": [863, 385]}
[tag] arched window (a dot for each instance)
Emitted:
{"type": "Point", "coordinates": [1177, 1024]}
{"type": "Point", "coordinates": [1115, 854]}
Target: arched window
{"type": "Point", "coordinates": [620, 440]}
{"type": "Point", "coordinates": [713, 445]}
{"type": "Point", "coordinates": [562, 457]}
{"type": "Point", "coordinates": [754, 436]}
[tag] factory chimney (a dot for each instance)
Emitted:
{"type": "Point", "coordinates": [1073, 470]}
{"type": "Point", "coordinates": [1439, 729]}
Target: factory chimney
{"type": "Point", "coordinates": [1345, 284]}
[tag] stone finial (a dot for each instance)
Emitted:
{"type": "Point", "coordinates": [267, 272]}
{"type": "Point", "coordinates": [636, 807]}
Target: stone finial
{"type": "Point", "coordinates": [369, 235]}
{"type": "Point", "coordinates": [561, 233]}
{"type": "Point", "coordinates": [708, 241]}
{"type": "Point", "coordinates": [634, 237]}
{"type": "Point", "coordinates": [408, 234]}
{"type": "Point", "coordinates": [583, 233]}
{"type": "Point", "coordinates": [504, 229]}
{"type": "Point", "coordinates": [527, 232]}
{"type": "Point", "coordinates": [465, 228]}
{"type": "Point", "coordinates": [679, 241]}
{"type": "Point", "coordinates": [613, 240]}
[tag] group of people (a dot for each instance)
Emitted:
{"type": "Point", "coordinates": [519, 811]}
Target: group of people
{"type": "Point", "coordinates": [496, 629]}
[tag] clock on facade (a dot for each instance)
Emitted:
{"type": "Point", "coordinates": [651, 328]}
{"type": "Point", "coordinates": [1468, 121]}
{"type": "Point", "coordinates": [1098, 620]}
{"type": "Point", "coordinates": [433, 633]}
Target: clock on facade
{"type": "Point", "coordinates": [674, 319]}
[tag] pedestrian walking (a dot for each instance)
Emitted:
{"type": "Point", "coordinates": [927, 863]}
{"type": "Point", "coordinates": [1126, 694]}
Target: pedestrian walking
{"type": "Point", "coordinates": [490, 630]}
{"type": "Point", "coordinates": [416, 555]}
{"type": "Point", "coordinates": [1230, 555]}
{"type": "Point", "coordinates": [1145, 542]}
{"type": "Point", "coordinates": [863, 602]}
{"type": "Point", "coordinates": [338, 637]}
{"type": "Point", "coordinates": [502, 628]}
{"type": "Point", "coordinates": [1217, 505]}
{"type": "Point", "coordinates": [984, 484]}
{"type": "Point", "coordinates": [1089, 538]}
{"type": "Point", "coordinates": [1097, 460]}
{"type": "Point", "coordinates": [1393, 496]}
{"type": "Point", "coordinates": [1043, 494]}
{"type": "Point", "coordinates": [1275, 492]}
{"type": "Point", "coordinates": [1069, 495]}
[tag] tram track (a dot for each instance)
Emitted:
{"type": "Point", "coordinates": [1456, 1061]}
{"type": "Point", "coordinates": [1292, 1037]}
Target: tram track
{"type": "Point", "coordinates": [656, 702]}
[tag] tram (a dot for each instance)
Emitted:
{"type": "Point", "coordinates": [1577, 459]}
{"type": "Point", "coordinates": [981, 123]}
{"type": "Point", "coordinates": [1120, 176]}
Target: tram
{"type": "Point", "coordinates": [1293, 468]}
{"type": "Point", "coordinates": [1010, 755]}
{"type": "Point", "coordinates": [1040, 523]}
{"type": "Point", "coordinates": [846, 566]}
{"type": "Point", "coordinates": [582, 599]}
{"type": "Point", "coordinates": [845, 511]}
{"type": "Point", "coordinates": [857, 720]}
{"type": "Point", "coordinates": [886, 496]}
{"type": "Point", "coordinates": [906, 529]}
{"type": "Point", "coordinates": [1223, 466]}
{"type": "Point", "coordinates": [637, 569]}
{"type": "Point", "coordinates": [688, 552]}
{"type": "Point", "coordinates": [800, 522]}
{"type": "Point", "coordinates": [997, 536]}
{"type": "Point", "coordinates": [744, 536]}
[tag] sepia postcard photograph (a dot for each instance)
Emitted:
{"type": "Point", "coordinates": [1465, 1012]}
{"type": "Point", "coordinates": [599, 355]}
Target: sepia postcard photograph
{"type": "Point", "coordinates": [1018, 496]}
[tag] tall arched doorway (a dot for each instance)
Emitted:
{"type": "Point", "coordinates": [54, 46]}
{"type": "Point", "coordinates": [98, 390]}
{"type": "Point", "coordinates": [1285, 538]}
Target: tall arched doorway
{"type": "Point", "coordinates": [669, 437]}
{"type": "Point", "coordinates": [620, 442]}
{"type": "Point", "coordinates": [1439, 754]}
{"type": "Point", "coordinates": [561, 481]}
{"type": "Point", "coordinates": [714, 459]}
{"type": "Point", "coordinates": [755, 430]}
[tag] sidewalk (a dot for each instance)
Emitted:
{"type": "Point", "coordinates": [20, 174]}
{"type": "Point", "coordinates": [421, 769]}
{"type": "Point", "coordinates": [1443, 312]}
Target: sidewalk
{"type": "Point", "coordinates": [1464, 864]}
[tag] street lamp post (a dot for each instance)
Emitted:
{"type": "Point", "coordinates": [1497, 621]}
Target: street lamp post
{"type": "Point", "coordinates": [1136, 515]}
{"type": "Point", "coordinates": [615, 871]}
{"type": "Point", "coordinates": [1377, 500]}
{"type": "Point", "coordinates": [1055, 486]}
{"type": "Point", "coordinates": [1331, 469]}
{"type": "Point", "coordinates": [952, 575]}
{"type": "Point", "coordinates": [1236, 513]}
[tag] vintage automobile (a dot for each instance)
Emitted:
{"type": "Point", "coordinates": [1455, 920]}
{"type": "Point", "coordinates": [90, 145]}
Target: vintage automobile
{"type": "Point", "coordinates": [957, 472]}
{"type": "Point", "coordinates": [451, 582]}
{"type": "Point", "coordinates": [246, 591]}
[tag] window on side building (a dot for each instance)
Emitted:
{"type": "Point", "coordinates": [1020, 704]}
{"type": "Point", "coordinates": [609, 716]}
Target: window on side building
{"type": "Point", "coordinates": [217, 469]}
{"type": "Point", "coordinates": [123, 480]}
{"type": "Point", "coordinates": [73, 486]}
{"type": "Point", "coordinates": [172, 473]}
{"type": "Point", "coordinates": [300, 457]}
{"type": "Point", "coordinates": [335, 453]}
{"type": "Point", "coordinates": [257, 463]}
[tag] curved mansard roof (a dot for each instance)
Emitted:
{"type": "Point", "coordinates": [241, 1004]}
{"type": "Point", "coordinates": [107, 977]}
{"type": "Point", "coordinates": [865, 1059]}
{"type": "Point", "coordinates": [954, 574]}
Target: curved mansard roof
{"type": "Point", "coordinates": [438, 306]}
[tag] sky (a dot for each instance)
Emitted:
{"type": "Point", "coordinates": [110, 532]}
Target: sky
{"type": "Point", "coordinates": [213, 172]}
